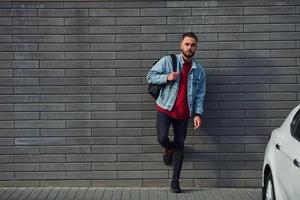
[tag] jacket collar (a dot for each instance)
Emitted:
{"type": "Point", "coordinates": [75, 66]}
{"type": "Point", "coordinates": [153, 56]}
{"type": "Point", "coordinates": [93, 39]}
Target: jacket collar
{"type": "Point", "coordinates": [182, 61]}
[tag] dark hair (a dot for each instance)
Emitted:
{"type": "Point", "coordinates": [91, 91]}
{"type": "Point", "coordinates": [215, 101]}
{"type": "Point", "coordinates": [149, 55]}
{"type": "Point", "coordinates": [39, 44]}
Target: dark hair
{"type": "Point", "coordinates": [189, 34]}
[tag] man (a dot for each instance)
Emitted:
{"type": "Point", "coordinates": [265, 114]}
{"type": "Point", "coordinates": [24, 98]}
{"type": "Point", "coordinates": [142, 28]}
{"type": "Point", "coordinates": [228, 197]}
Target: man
{"type": "Point", "coordinates": [181, 97]}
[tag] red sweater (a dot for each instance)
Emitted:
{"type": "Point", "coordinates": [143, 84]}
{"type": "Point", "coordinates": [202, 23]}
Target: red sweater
{"type": "Point", "coordinates": [180, 109]}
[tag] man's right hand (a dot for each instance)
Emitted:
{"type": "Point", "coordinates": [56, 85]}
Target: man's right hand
{"type": "Point", "coordinates": [172, 76]}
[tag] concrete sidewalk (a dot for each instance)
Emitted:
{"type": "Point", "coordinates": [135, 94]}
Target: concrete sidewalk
{"type": "Point", "coordinates": [128, 193]}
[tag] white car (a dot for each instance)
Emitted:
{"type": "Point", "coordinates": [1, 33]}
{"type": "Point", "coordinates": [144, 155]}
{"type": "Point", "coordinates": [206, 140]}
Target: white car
{"type": "Point", "coordinates": [281, 171]}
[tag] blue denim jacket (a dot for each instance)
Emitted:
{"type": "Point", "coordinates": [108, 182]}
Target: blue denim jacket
{"type": "Point", "coordinates": [167, 96]}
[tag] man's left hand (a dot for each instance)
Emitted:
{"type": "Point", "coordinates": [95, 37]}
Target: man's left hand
{"type": "Point", "coordinates": [197, 122]}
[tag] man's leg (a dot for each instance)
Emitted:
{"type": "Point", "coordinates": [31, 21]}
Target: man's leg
{"type": "Point", "coordinates": [163, 123]}
{"type": "Point", "coordinates": [180, 129]}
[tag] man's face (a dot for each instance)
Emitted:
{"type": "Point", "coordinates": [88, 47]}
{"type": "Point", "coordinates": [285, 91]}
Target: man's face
{"type": "Point", "coordinates": [188, 47]}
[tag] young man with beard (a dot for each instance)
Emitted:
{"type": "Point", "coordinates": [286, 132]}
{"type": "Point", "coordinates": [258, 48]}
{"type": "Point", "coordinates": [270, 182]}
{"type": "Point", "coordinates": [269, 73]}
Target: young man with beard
{"type": "Point", "coordinates": [180, 98]}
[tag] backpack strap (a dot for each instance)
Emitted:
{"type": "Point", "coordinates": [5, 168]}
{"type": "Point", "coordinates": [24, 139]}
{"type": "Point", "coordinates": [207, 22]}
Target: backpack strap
{"type": "Point", "coordinates": [174, 62]}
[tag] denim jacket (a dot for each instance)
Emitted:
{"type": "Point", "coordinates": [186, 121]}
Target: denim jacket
{"type": "Point", "coordinates": [167, 96]}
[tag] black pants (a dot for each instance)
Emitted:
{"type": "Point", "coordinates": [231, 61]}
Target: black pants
{"type": "Point", "coordinates": [163, 123]}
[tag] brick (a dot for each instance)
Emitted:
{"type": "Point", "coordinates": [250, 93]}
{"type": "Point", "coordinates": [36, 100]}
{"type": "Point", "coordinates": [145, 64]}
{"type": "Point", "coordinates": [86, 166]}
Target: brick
{"type": "Point", "coordinates": [19, 132]}
{"type": "Point", "coordinates": [243, 36]}
{"type": "Point", "coordinates": [90, 158]}
{"type": "Point", "coordinates": [240, 174]}
{"type": "Point", "coordinates": [285, 87]}
{"type": "Point", "coordinates": [64, 47]}
{"type": "Point", "coordinates": [39, 141]}
{"type": "Point", "coordinates": [217, 11]}
{"type": "Point", "coordinates": [285, 10]}
{"type": "Point", "coordinates": [17, 81]}
{"type": "Point", "coordinates": [65, 132]}
{"type": "Point", "coordinates": [117, 183]}
{"type": "Point", "coordinates": [165, 12]}
{"type": "Point", "coordinates": [138, 158]}
{"type": "Point", "coordinates": [64, 183]}
{"type": "Point", "coordinates": [19, 115]}
{"type": "Point", "coordinates": [25, 47]}
{"type": "Point", "coordinates": [63, 30]}
{"type": "Point", "coordinates": [19, 150]}
{"type": "Point", "coordinates": [114, 12]}
{"type": "Point", "coordinates": [217, 28]}
{"type": "Point", "coordinates": [65, 166]}
{"type": "Point", "coordinates": [243, 19]}
{"type": "Point", "coordinates": [24, 64]}
{"type": "Point", "coordinates": [64, 81]}
{"type": "Point", "coordinates": [132, 38]}
{"type": "Point", "coordinates": [116, 131]}
{"type": "Point", "coordinates": [66, 13]}
{"type": "Point", "coordinates": [6, 124]}
{"type": "Point", "coordinates": [90, 55]}
{"type": "Point", "coordinates": [37, 55]}
{"type": "Point", "coordinates": [271, 96]}
{"type": "Point", "coordinates": [244, 139]}
{"type": "Point", "coordinates": [241, 156]}
{"type": "Point", "coordinates": [90, 123]}
{"type": "Point", "coordinates": [285, 18]}
{"type": "Point", "coordinates": [5, 38]}
{"type": "Point", "coordinates": [39, 158]}
{"type": "Point", "coordinates": [117, 115]}
{"type": "Point", "coordinates": [91, 140]}
{"type": "Point", "coordinates": [271, 79]}
{"type": "Point", "coordinates": [38, 73]}
{"type": "Point", "coordinates": [140, 20]}
{"type": "Point", "coordinates": [285, 53]}
{"type": "Point", "coordinates": [139, 4]}
{"type": "Point", "coordinates": [65, 98]}
{"type": "Point", "coordinates": [219, 165]}
{"type": "Point", "coordinates": [6, 107]}
{"type": "Point", "coordinates": [39, 175]}
{"type": "Point", "coordinates": [37, 4]}
{"type": "Point", "coordinates": [244, 53]}
{"type": "Point", "coordinates": [92, 175]}
{"type": "Point", "coordinates": [19, 12]}
{"type": "Point", "coordinates": [255, 148]}
{"type": "Point", "coordinates": [270, 45]}
{"type": "Point", "coordinates": [64, 149]}
{"type": "Point", "coordinates": [89, 72]}
{"type": "Point", "coordinates": [115, 47]}
{"type": "Point", "coordinates": [91, 107]}
{"type": "Point", "coordinates": [39, 107]}
{"type": "Point", "coordinates": [69, 115]}
{"type": "Point", "coordinates": [40, 124]}
{"type": "Point", "coordinates": [89, 21]}
{"type": "Point", "coordinates": [38, 21]}
{"type": "Point", "coordinates": [19, 167]}
{"type": "Point", "coordinates": [218, 148]}
{"type": "Point", "coordinates": [64, 64]}
{"type": "Point", "coordinates": [38, 38]}
{"type": "Point", "coordinates": [141, 174]}
{"type": "Point", "coordinates": [6, 176]}
{"type": "Point", "coordinates": [117, 166]}
{"type": "Point", "coordinates": [164, 29]}
{"type": "Point", "coordinates": [273, 28]}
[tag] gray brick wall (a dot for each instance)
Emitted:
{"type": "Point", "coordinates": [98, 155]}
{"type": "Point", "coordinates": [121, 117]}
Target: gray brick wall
{"type": "Point", "coordinates": [73, 101]}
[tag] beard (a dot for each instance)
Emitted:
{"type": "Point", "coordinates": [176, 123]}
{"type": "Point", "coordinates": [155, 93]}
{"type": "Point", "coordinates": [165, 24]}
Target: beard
{"type": "Point", "coordinates": [188, 54]}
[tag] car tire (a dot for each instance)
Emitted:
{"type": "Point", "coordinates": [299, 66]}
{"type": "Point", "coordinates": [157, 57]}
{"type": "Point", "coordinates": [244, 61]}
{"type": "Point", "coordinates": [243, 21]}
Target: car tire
{"type": "Point", "coordinates": [268, 192]}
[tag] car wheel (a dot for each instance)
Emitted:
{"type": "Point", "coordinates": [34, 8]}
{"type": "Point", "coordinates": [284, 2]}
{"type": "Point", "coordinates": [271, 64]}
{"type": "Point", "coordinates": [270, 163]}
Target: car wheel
{"type": "Point", "coordinates": [268, 189]}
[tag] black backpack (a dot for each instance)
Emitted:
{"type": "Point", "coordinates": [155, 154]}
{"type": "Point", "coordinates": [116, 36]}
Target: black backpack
{"type": "Point", "coordinates": [154, 89]}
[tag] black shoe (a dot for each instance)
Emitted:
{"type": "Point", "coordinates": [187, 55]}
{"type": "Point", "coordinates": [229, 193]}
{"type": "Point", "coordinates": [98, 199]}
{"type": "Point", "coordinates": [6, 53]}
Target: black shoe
{"type": "Point", "coordinates": [167, 156]}
{"type": "Point", "coordinates": [175, 186]}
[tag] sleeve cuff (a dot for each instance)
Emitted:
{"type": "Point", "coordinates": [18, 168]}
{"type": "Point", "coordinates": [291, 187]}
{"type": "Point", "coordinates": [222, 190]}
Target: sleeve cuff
{"type": "Point", "coordinates": [197, 114]}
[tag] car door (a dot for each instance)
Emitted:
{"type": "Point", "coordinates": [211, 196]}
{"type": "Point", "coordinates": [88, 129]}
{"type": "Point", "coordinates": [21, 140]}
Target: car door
{"type": "Point", "coordinates": [282, 167]}
{"type": "Point", "coordinates": [295, 155]}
